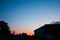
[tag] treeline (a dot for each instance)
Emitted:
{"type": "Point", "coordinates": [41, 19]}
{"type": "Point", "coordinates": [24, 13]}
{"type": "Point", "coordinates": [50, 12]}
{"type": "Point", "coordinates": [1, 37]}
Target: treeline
{"type": "Point", "coordinates": [5, 33]}
{"type": "Point", "coordinates": [46, 32]}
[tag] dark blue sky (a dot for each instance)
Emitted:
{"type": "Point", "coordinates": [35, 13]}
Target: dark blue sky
{"type": "Point", "coordinates": [27, 15]}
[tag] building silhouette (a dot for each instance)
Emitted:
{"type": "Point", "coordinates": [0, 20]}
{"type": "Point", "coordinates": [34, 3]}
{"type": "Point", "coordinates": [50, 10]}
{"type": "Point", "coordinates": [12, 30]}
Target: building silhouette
{"type": "Point", "coordinates": [48, 32]}
{"type": "Point", "coordinates": [45, 32]}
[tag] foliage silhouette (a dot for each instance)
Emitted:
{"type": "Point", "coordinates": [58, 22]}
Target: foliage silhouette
{"type": "Point", "coordinates": [46, 32]}
{"type": "Point", "coordinates": [4, 30]}
{"type": "Point", "coordinates": [56, 22]}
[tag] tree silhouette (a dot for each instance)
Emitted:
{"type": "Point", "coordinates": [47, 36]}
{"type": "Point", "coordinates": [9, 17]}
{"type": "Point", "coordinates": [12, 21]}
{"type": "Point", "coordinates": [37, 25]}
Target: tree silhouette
{"type": "Point", "coordinates": [46, 32]}
{"type": "Point", "coordinates": [4, 31]}
{"type": "Point", "coordinates": [4, 28]}
{"type": "Point", "coordinates": [55, 22]}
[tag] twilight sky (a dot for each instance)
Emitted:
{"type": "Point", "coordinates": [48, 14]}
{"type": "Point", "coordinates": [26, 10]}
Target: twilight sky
{"type": "Point", "coordinates": [28, 15]}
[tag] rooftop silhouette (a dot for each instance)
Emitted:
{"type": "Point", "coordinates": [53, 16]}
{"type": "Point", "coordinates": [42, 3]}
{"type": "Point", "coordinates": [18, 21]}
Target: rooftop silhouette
{"type": "Point", "coordinates": [46, 32]}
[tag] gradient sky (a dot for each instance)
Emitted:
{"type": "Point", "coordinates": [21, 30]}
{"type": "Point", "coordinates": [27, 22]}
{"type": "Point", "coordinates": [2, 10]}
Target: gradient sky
{"type": "Point", "coordinates": [28, 15]}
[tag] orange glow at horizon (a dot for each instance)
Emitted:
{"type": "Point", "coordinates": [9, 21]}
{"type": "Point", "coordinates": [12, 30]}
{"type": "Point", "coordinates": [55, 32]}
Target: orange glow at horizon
{"type": "Point", "coordinates": [27, 32]}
